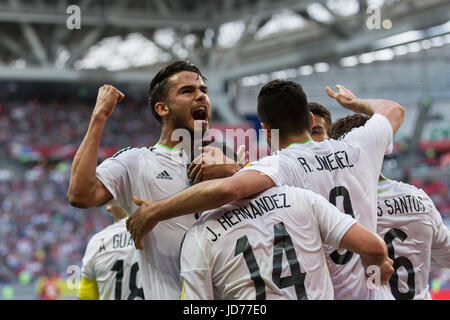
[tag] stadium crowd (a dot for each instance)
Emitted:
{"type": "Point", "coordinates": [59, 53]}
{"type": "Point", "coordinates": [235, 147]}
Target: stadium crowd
{"type": "Point", "coordinates": [42, 233]}
{"type": "Point", "coordinates": [37, 120]}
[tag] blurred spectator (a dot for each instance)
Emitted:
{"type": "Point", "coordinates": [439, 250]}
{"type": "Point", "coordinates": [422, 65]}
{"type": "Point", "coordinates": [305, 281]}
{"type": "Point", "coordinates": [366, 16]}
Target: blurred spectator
{"type": "Point", "coordinates": [40, 229]}
{"type": "Point", "coordinates": [62, 122]}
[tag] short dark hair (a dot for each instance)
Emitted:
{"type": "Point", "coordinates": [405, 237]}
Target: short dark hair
{"type": "Point", "coordinates": [159, 84]}
{"type": "Point", "coordinates": [283, 105]}
{"type": "Point", "coordinates": [344, 125]}
{"type": "Point", "coordinates": [319, 110]}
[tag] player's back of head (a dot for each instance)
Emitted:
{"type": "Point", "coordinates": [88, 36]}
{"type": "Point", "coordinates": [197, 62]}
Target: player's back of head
{"type": "Point", "coordinates": [344, 125]}
{"type": "Point", "coordinates": [319, 110]}
{"type": "Point", "coordinates": [283, 105]}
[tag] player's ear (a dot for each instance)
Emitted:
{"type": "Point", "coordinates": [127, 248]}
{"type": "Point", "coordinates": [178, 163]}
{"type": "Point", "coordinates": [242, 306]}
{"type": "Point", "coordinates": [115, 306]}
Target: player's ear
{"type": "Point", "coordinates": [266, 131]}
{"type": "Point", "coordinates": [162, 109]}
{"type": "Point", "coordinates": [311, 120]}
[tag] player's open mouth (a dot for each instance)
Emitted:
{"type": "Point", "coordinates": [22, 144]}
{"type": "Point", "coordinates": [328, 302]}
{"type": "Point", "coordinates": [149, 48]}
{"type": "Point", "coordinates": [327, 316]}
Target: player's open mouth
{"type": "Point", "coordinates": [200, 114]}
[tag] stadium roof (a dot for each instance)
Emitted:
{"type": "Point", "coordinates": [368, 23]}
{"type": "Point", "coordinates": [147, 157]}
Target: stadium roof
{"type": "Point", "coordinates": [127, 40]}
{"type": "Point", "coordinates": [130, 34]}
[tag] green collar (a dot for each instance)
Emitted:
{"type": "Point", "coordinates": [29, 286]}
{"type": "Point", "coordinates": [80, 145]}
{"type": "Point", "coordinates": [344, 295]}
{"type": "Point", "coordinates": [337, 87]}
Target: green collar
{"type": "Point", "coordinates": [299, 142]}
{"type": "Point", "coordinates": [167, 147]}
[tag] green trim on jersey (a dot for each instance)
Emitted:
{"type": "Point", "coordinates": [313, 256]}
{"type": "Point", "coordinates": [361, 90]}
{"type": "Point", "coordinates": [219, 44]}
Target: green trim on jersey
{"type": "Point", "coordinates": [300, 142]}
{"type": "Point", "coordinates": [167, 147]}
{"type": "Point", "coordinates": [383, 191]}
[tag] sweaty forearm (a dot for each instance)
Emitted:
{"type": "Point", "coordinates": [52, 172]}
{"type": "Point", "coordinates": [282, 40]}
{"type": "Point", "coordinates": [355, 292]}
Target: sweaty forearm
{"type": "Point", "coordinates": [372, 106]}
{"type": "Point", "coordinates": [82, 176]}
{"type": "Point", "coordinates": [372, 260]}
{"type": "Point", "coordinates": [390, 109]}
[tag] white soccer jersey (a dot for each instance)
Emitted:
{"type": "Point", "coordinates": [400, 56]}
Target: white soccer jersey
{"type": "Point", "coordinates": [152, 173]}
{"type": "Point", "coordinates": [414, 234]}
{"type": "Point", "coordinates": [346, 173]}
{"type": "Point", "coordinates": [268, 247]}
{"type": "Point", "coordinates": [111, 260]}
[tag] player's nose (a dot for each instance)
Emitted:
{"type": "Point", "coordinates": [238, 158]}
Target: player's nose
{"type": "Point", "coordinates": [201, 96]}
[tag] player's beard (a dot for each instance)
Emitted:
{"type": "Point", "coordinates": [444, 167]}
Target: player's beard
{"type": "Point", "coordinates": [179, 122]}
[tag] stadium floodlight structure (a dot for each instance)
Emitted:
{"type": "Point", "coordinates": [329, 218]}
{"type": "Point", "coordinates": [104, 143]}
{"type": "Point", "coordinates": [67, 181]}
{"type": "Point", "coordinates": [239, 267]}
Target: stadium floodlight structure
{"type": "Point", "coordinates": [36, 44]}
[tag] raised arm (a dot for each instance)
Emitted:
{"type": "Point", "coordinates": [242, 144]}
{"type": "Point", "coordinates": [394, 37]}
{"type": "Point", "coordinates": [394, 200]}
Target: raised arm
{"type": "Point", "coordinates": [85, 190]}
{"type": "Point", "coordinates": [200, 197]}
{"type": "Point", "coordinates": [390, 109]}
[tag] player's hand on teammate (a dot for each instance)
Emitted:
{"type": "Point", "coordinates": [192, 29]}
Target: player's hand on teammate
{"type": "Point", "coordinates": [386, 271]}
{"type": "Point", "coordinates": [107, 98]}
{"type": "Point", "coordinates": [139, 222]}
{"type": "Point", "coordinates": [213, 164]}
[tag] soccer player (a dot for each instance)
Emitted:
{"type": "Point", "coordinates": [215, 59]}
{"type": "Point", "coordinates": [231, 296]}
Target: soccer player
{"type": "Point", "coordinates": [410, 225]}
{"type": "Point", "coordinates": [321, 121]}
{"type": "Point", "coordinates": [345, 172]}
{"type": "Point", "coordinates": [178, 98]}
{"type": "Point", "coordinates": [110, 267]}
{"type": "Point", "coordinates": [236, 251]}
{"type": "Point", "coordinates": [342, 171]}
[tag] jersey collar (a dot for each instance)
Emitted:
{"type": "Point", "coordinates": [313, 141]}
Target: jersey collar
{"type": "Point", "coordinates": [298, 143]}
{"type": "Point", "coordinates": [175, 154]}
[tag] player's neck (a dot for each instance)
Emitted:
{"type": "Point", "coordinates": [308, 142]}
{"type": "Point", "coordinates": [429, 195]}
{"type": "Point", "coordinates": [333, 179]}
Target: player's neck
{"type": "Point", "coordinates": [166, 137]}
{"type": "Point", "coordinates": [301, 138]}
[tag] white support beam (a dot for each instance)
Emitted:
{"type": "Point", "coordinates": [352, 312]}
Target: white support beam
{"type": "Point", "coordinates": [246, 36]}
{"type": "Point", "coordinates": [58, 37]}
{"type": "Point", "coordinates": [264, 10]}
{"type": "Point", "coordinates": [146, 21]}
{"type": "Point", "coordinates": [34, 42]}
{"type": "Point", "coordinates": [14, 4]}
{"type": "Point", "coordinates": [162, 7]}
{"type": "Point", "coordinates": [332, 47]}
{"type": "Point", "coordinates": [13, 46]}
{"type": "Point", "coordinates": [77, 50]}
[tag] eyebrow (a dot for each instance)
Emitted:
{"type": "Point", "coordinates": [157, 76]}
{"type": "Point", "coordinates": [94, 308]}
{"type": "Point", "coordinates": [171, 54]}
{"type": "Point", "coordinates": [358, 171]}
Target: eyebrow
{"type": "Point", "coordinates": [192, 87]}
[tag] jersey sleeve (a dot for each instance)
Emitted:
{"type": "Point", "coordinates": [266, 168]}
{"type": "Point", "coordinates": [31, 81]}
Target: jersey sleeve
{"type": "Point", "coordinates": [375, 137]}
{"type": "Point", "coordinates": [275, 167]}
{"type": "Point", "coordinates": [88, 286]}
{"type": "Point", "coordinates": [195, 271]}
{"type": "Point", "coordinates": [333, 224]}
{"type": "Point", "coordinates": [90, 255]}
{"type": "Point", "coordinates": [440, 247]}
{"type": "Point", "coordinates": [117, 175]}
{"type": "Point", "coordinates": [88, 289]}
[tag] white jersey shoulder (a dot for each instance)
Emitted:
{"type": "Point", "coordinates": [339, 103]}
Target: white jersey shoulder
{"type": "Point", "coordinates": [346, 173]}
{"type": "Point", "coordinates": [153, 173]}
{"type": "Point", "coordinates": [413, 230]}
{"type": "Point", "coordinates": [111, 260]}
{"type": "Point", "coordinates": [268, 247]}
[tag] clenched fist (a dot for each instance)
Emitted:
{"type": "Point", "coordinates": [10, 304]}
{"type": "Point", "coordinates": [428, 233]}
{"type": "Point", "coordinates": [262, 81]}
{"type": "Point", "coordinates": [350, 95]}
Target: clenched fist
{"type": "Point", "coordinates": [107, 98]}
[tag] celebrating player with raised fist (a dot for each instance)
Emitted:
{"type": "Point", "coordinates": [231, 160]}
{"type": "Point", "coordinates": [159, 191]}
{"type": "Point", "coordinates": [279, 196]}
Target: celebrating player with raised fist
{"type": "Point", "coordinates": [178, 99]}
